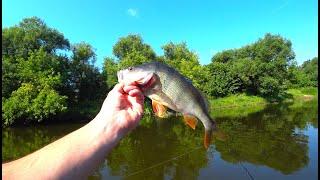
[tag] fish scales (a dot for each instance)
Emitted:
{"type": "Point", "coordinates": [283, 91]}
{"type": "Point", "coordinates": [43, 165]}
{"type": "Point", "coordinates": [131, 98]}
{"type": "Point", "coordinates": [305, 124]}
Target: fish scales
{"type": "Point", "coordinates": [166, 86]}
{"type": "Point", "coordinates": [183, 94]}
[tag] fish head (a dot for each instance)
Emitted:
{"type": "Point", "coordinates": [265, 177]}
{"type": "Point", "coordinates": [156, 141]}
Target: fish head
{"type": "Point", "coordinates": [136, 75]}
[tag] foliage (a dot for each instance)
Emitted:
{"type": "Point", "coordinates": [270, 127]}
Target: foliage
{"type": "Point", "coordinates": [259, 69]}
{"type": "Point", "coordinates": [222, 82]}
{"type": "Point", "coordinates": [310, 68]}
{"type": "Point", "coordinates": [31, 33]}
{"type": "Point", "coordinates": [39, 62]}
{"type": "Point", "coordinates": [37, 80]}
{"type": "Point", "coordinates": [186, 62]}
{"type": "Point", "coordinates": [110, 68]}
{"type": "Point", "coordinates": [84, 77]}
{"type": "Point", "coordinates": [131, 50]}
{"type": "Point", "coordinates": [30, 103]}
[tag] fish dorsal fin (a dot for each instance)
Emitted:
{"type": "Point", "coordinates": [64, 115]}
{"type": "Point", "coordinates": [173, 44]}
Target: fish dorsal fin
{"type": "Point", "coordinates": [190, 120]}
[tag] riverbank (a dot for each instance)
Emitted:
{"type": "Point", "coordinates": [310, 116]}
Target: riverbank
{"type": "Point", "coordinates": [242, 104]}
{"type": "Point", "coordinates": [242, 100]}
{"type": "Point", "coordinates": [232, 106]}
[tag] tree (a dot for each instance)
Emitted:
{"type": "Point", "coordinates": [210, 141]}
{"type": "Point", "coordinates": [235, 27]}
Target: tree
{"type": "Point", "coordinates": [186, 62]}
{"type": "Point", "coordinates": [85, 79]}
{"type": "Point", "coordinates": [221, 82]}
{"type": "Point", "coordinates": [31, 71]}
{"type": "Point", "coordinates": [224, 56]}
{"type": "Point", "coordinates": [131, 50]}
{"type": "Point", "coordinates": [110, 68]}
{"type": "Point", "coordinates": [260, 68]}
{"type": "Point", "coordinates": [310, 68]}
{"type": "Point", "coordinates": [128, 51]}
{"type": "Point", "coordinates": [31, 33]}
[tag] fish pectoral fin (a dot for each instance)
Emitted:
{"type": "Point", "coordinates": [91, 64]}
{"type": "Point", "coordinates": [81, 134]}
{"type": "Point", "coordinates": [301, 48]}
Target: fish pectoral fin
{"type": "Point", "coordinates": [159, 109]}
{"type": "Point", "coordinates": [190, 120]}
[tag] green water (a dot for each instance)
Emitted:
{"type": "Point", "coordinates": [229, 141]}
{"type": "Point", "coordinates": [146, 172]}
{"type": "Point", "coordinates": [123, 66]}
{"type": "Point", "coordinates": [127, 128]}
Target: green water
{"type": "Point", "coordinates": [275, 142]}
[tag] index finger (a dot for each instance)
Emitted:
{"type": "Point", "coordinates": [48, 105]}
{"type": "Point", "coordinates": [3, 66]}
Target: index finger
{"type": "Point", "coordinates": [119, 88]}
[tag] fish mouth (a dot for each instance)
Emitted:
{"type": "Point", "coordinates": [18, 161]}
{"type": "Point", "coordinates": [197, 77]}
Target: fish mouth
{"type": "Point", "coordinates": [144, 80]}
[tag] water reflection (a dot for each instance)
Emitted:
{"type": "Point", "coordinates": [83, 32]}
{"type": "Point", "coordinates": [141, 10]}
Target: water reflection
{"type": "Point", "coordinates": [273, 137]}
{"type": "Point", "coordinates": [20, 141]}
{"type": "Point", "coordinates": [146, 147]}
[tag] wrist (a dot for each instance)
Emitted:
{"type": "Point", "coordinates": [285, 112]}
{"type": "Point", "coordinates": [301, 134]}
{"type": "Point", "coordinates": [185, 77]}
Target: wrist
{"type": "Point", "coordinates": [106, 132]}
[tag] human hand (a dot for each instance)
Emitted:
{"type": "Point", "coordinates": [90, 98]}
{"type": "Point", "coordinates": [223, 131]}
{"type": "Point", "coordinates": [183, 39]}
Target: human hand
{"type": "Point", "coordinates": [122, 109]}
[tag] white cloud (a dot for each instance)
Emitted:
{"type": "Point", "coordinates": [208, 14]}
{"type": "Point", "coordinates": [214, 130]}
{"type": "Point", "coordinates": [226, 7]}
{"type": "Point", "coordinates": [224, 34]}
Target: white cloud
{"type": "Point", "coordinates": [132, 12]}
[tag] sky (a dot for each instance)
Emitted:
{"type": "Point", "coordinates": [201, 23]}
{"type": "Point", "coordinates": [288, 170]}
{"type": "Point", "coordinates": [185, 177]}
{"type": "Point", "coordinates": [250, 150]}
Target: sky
{"type": "Point", "coordinates": [207, 27]}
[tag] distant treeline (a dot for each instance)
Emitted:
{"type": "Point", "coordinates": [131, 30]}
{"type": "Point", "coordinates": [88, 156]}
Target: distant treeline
{"type": "Point", "coordinates": [44, 76]}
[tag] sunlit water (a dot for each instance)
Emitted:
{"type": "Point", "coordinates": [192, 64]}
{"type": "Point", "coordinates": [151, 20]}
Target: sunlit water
{"type": "Point", "coordinates": [276, 142]}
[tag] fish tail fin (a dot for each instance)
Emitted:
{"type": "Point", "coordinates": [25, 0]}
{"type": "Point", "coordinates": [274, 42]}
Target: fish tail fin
{"type": "Point", "coordinates": [208, 133]}
{"type": "Point", "coordinates": [207, 138]}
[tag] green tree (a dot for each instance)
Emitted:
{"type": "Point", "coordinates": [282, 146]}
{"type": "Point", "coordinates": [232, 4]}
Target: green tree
{"type": "Point", "coordinates": [186, 62]}
{"type": "Point", "coordinates": [259, 68]}
{"type": "Point", "coordinates": [110, 68]}
{"type": "Point", "coordinates": [31, 71]}
{"type": "Point", "coordinates": [31, 33]}
{"type": "Point", "coordinates": [305, 75]}
{"type": "Point", "coordinates": [128, 51]}
{"type": "Point", "coordinates": [310, 68]}
{"type": "Point", "coordinates": [29, 103]}
{"type": "Point", "coordinates": [10, 80]}
{"type": "Point", "coordinates": [86, 80]}
{"type": "Point", "coordinates": [131, 51]}
{"type": "Point", "coordinates": [221, 82]}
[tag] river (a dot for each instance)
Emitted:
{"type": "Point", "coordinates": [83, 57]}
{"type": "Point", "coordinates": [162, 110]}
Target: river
{"type": "Point", "coordinates": [279, 141]}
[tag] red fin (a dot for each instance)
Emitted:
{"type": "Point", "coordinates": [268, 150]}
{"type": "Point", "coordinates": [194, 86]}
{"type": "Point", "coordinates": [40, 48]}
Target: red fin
{"type": "Point", "coordinates": [190, 121]}
{"type": "Point", "coordinates": [207, 138]}
{"type": "Point", "coordinates": [159, 109]}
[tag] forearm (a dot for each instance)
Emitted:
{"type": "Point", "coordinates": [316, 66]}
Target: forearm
{"type": "Point", "coordinates": [71, 157]}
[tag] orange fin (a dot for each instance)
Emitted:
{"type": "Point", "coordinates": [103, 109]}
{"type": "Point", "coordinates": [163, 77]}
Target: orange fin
{"type": "Point", "coordinates": [159, 109]}
{"type": "Point", "coordinates": [207, 138]}
{"type": "Point", "coordinates": [190, 121]}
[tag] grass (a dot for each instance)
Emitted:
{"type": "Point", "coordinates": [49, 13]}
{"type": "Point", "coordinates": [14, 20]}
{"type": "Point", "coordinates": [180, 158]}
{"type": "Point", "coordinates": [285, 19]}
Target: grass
{"type": "Point", "coordinates": [242, 104]}
{"type": "Point", "coordinates": [243, 100]}
{"type": "Point", "coordinates": [237, 100]}
{"type": "Point", "coordinates": [236, 105]}
{"type": "Point", "coordinates": [300, 92]}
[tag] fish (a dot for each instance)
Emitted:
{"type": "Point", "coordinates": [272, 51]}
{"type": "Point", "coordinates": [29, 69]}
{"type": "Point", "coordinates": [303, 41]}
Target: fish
{"type": "Point", "coordinates": [167, 88]}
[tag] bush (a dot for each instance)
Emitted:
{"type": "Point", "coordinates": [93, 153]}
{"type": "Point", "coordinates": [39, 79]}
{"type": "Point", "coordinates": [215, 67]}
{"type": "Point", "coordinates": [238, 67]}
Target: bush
{"type": "Point", "coordinates": [27, 104]}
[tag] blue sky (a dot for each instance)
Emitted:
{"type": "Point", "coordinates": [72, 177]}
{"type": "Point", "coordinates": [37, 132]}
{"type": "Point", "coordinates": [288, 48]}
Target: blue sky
{"type": "Point", "coordinates": [207, 27]}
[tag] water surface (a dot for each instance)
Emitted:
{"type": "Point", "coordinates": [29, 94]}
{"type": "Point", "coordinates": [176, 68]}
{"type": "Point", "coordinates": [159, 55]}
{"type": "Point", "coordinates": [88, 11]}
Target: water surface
{"type": "Point", "coordinates": [275, 142]}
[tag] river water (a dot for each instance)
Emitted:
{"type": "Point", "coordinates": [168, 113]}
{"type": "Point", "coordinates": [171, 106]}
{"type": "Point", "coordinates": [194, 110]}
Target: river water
{"type": "Point", "coordinates": [278, 141]}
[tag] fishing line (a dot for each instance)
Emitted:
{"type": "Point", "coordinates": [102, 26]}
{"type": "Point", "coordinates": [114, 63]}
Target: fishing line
{"type": "Point", "coordinates": [249, 174]}
{"type": "Point", "coordinates": [163, 162]}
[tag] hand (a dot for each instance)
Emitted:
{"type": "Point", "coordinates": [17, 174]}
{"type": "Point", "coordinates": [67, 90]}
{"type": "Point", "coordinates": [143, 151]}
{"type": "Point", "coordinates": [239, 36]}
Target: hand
{"type": "Point", "coordinates": [77, 154]}
{"type": "Point", "coordinates": [123, 108]}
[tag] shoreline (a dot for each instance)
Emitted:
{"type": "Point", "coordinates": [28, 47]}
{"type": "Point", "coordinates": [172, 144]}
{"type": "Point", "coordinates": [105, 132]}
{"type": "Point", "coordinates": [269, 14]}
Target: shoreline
{"type": "Point", "coordinates": [226, 105]}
